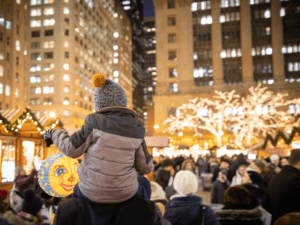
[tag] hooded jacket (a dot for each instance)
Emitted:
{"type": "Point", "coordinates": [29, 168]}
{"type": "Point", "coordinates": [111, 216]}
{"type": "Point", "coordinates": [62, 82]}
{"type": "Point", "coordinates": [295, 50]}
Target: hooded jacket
{"type": "Point", "coordinates": [114, 147]}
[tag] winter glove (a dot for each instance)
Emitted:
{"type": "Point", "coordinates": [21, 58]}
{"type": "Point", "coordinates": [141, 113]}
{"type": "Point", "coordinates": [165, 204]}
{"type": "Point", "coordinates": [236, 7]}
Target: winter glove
{"type": "Point", "coordinates": [48, 137]}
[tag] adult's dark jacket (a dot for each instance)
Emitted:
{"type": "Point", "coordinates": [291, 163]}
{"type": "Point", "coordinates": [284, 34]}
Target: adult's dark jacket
{"type": "Point", "coordinates": [230, 174]}
{"type": "Point", "coordinates": [184, 210]}
{"type": "Point", "coordinates": [80, 210]}
{"type": "Point", "coordinates": [239, 161]}
{"type": "Point", "coordinates": [217, 191]}
{"type": "Point", "coordinates": [162, 178]}
{"type": "Point", "coordinates": [283, 193]}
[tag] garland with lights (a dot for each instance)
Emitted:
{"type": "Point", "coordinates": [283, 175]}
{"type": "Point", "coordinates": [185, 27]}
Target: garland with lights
{"type": "Point", "coordinates": [53, 123]}
{"type": "Point", "coordinates": [287, 140]}
{"type": "Point", "coordinates": [17, 124]}
{"type": "Point", "coordinates": [5, 123]}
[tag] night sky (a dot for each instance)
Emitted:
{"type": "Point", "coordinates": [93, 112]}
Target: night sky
{"type": "Point", "coordinates": [148, 8]}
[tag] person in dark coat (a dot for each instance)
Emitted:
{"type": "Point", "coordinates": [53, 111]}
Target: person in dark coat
{"type": "Point", "coordinates": [218, 189]}
{"type": "Point", "coordinates": [31, 206]}
{"type": "Point", "coordinates": [238, 208]}
{"type": "Point", "coordinates": [224, 164]}
{"type": "Point", "coordinates": [165, 176]}
{"type": "Point", "coordinates": [283, 190]}
{"type": "Point", "coordinates": [80, 210]}
{"type": "Point", "coordinates": [239, 161]}
{"type": "Point", "coordinates": [184, 207]}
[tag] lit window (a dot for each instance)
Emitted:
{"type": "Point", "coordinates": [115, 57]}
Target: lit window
{"type": "Point", "coordinates": [116, 61]}
{"type": "Point", "coordinates": [173, 87]}
{"type": "Point", "coordinates": [35, 79]}
{"type": "Point", "coordinates": [18, 48]}
{"type": "Point", "coordinates": [269, 50]}
{"type": "Point", "coordinates": [8, 25]}
{"type": "Point", "coordinates": [116, 34]}
{"type": "Point", "coordinates": [66, 44]}
{"type": "Point", "coordinates": [222, 19]}
{"type": "Point", "coordinates": [36, 12]}
{"type": "Point", "coordinates": [223, 54]}
{"type": "Point", "coordinates": [66, 101]}
{"type": "Point", "coordinates": [263, 50]}
{"type": "Point", "coordinates": [116, 73]}
{"type": "Point", "coordinates": [48, 11]}
{"type": "Point", "coordinates": [291, 67]}
{"type": "Point", "coordinates": [233, 53]}
{"type": "Point", "coordinates": [239, 52]}
{"type": "Point", "coordinates": [18, 2]}
{"type": "Point", "coordinates": [203, 20]}
{"type": "Point", "coordinates": [173, 72]}
{"type": "Point", "coordinates": [66, 113]}
{"type": "Point", "coordinates": [49, 22]}
{"type": "Point", "coordinates": [296, 67]}
{"type": "Point", "coordinates": [35, 2]}
{"type": "Point", "coordinates": [125, 2]}
{"type": "Point", "coordinates": [49, 44]}
{"type": "Point", "coordinates": [116, 54]}
{"type": "Point", "coordinates": [1, 21]}
{"type": "Point", "coordinates": [17, 93]}
{"type": "Point", "coordinates": [66, 89]}
{"type": "Point", "coordinates": [127, 7]}
{"type": "Point", "coordinates": [290, 49]}
{"type": "Point", "coordinates": [282, 12]}
{"type": "Point", "coordinates": [48, 66]}
{"type": "Point", "coordinates": [1, 88]}
{"type": "Point", "coordinates": [267, 14]}
{"type": "Point", "coordinates": [66, 77]}
{"type": "Point", "coordinates": [194, 6]}
{"type": "Point", "coordinates": [1, 56]}
{"type": "Point", "coordinates": [268, 31]}
{"type": "Point", "coordinates": [66, 10]}
{"type": "Point", "coordinates": [66, 66]}
{"type": "Point", "coordinates": [195, 56]}
{"type": "Point", "coordinates": [35, 68]}
{"type": "Point", "coordinates": [48, 1]}
{"type": "Point", "coordinates": [295, 48]}
{"type": "Point", "coordinates": [1, 71]}
{"type": "Point", "coordinates": [116, 80]}
{"type": "Point", "coordinates": [35, 23]}
{"type": "Point", "coordinates": [7, 90]}
{"type": "Point", "coordinates": [283, 50]}
{"type": "Point", "coordinates": [115, 47]}
{"type": "Point", "coordinates": [48, 90]}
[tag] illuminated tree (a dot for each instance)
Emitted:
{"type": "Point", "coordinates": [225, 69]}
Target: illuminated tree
{"type": "Point", "coordinates": [204, 114]}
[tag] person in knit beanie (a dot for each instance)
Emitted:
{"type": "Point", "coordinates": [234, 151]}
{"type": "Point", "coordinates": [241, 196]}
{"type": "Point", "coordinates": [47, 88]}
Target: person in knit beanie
{"type": "Point", "coordinates": [185, 206]}
{"type": "Point", "coordinates": [29, 215]}
{"type": "Point", "coordinates": [113, 145]}
{"type": "Point", "coordinates": [157, 193]}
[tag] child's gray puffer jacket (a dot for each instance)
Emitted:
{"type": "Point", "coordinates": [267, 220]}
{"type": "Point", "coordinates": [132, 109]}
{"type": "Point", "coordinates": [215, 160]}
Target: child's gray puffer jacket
{"type": "Point", "coordinates": [115, 150]}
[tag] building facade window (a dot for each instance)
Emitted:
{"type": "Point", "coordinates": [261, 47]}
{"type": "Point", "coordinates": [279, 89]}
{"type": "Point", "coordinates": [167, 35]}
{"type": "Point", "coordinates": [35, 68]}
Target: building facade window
{"type": "Point", "coordinates": [172, 55]}
{"type": "Point", "coordinates": [171, 4]}
{"type": "Point", "coordinates": [35, 33]}
{"type": "Point", "coordinates": [173, 87]}
{"type": "Point", "coordinates": [48, 55]}
{"type": "Point", "coordinates": [173, 72]}
{"type": "Point", "coordinates": [171, 21]}
{"type": "Point", "coordinates": [171, 38]}
{"type": "Point", "coordinates": [48, 33]}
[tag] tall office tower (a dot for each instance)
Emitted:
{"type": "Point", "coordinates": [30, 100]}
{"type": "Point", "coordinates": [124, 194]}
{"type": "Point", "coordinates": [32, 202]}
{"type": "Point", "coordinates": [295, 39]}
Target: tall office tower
{"type": "Point", "coordinates": [150, 76]}
{"type": "Point", "coordinates": [122, 52]}
{"type": "Point", "coordinates": [70, 41]}
{"type": "Point", "coordinates": [13, 51]}
{"type": "Point", "coordinates": [224, 45]}
{"type": "Point", "coordinates": [134, 10]}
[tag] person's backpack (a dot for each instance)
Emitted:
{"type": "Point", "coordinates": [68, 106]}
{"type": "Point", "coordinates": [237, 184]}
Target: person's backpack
{"type": "Point", "coordinates": [200, 217]}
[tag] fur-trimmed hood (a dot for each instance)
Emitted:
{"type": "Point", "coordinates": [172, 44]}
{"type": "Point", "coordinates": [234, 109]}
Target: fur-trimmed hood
{"type": "Point", "coordinates": [13, 219]}
{"type": "Point", "coordinates": [243, 214]}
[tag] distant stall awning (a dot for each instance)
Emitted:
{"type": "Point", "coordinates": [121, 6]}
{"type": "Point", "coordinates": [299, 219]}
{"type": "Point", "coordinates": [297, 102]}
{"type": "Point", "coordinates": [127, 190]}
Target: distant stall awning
{"type": "Point", "coordinates": [157, 142]}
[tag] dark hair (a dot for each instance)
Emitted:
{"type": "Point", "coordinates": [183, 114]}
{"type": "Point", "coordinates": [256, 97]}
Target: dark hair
{"type": "Point", "coordinates": [294, 157]}
{"type": "Point", "coordinates": [167, 162]}
{"type": "Point", "coordinates": [243, 165]}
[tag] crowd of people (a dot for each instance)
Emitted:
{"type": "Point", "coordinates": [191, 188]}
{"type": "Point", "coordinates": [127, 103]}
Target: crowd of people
{"type": "Point", "coordinates": [243, 191]}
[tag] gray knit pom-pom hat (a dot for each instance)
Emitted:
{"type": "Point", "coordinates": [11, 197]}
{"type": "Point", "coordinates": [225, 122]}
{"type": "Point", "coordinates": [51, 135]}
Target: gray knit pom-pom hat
{"type": "Point", "coordinates": [107, 93]}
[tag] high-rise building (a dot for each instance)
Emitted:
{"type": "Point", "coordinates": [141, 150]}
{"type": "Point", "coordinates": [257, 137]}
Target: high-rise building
{"type": "Point", "coordinates": [150, 75]}
{"type": "Point", "coordinates": [122, 52]}
{"type": "Point", "coordinates": [134, 10]}
{"type": "Point", "coordinates": [224, 45]}
{"type": "Point", "coordinates": [69, 42]}
{"type": "Point", "coordinates": [13, 54]}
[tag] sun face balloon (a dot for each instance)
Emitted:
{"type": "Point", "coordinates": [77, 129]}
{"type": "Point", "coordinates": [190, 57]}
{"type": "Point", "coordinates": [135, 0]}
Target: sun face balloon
{"type": "Point", "coordinates": [58, 175]}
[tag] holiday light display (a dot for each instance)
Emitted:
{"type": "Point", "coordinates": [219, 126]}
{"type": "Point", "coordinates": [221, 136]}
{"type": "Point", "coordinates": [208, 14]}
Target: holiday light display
{"type": "Point", "coordinates": [249, 117]}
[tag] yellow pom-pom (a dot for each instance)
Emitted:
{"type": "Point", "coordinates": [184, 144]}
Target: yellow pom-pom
{"type": "Point", "coordinates": [98, 80]}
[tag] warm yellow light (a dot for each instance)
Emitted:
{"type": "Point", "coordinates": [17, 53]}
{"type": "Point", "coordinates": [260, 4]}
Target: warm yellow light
{"type": "Point", "coordinates": [156, 126]}
{"type": "Point", "coordinates": [52, 114]}
{"type": "Point", "coordinates": [180, 134]}
{"type": "Point", "coordinates": [289, 131]}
